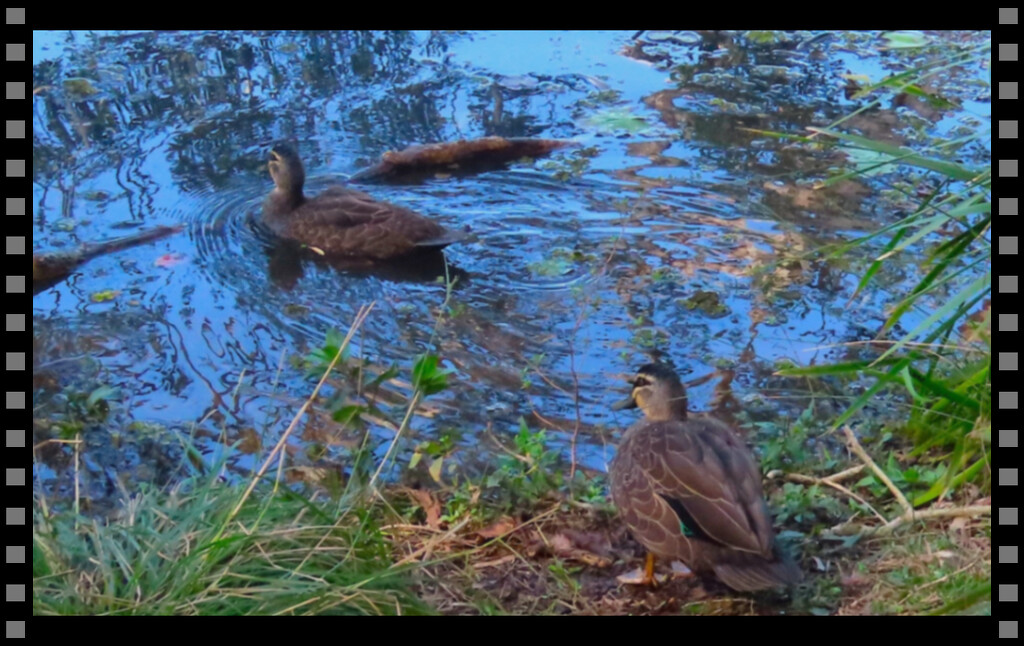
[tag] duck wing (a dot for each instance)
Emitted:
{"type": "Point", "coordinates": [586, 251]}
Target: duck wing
{"type": "Point", "coordinates": [346, 221]}
{"type": "Point", "coordinates": [706, 475]}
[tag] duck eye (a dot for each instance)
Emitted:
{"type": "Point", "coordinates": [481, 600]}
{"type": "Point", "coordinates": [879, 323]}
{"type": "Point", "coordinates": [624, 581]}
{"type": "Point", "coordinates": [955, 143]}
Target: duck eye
{"type": "Point", "coordinates": [641, 381]}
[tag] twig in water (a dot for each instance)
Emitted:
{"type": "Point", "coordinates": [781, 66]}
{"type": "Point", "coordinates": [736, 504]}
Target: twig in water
{"type": "Point", "coordinates": [78, 460]}
{"type": "Point", "coordinates": [280, 367]}
{"type": "Point", "coordinates": [394, 441]}
{"type": "Point", "coordinates": [575, 396]}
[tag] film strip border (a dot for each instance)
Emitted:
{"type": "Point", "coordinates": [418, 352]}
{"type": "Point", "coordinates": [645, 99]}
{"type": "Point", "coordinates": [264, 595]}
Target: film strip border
{"type": "Point", "coordinates": [1005, 149]}
{"type": "Point", "coordinates": [17, 152]}
{"type": "Point", "coordinates": [16, 184]}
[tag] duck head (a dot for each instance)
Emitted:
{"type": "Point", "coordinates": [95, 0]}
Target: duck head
{"type": "Point", "coordinates": [658, 392]}
{"type": "Point", "coordinates": [286, 169]}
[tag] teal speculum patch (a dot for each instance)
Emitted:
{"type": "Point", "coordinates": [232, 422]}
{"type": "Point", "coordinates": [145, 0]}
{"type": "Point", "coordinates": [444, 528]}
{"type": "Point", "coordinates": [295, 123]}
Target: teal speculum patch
{"type": "Point", "coordinates": [686, 530]}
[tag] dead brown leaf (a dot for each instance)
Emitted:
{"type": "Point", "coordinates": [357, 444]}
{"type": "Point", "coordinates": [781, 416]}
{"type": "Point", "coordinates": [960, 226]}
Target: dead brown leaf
{"type": "Point", "coordinates": [854, 581]}
{"type": "Point", "coordinates": [499, 528]}
{"type": "Point", "coordinates": [431, 507]}
{"type": "Point", "coordinates": [594, 542]}
{"type": "Point", "coordinates": [589, 548]}
{"type": "Point", "coordinates": [959, 524]}
{"type": "Point", "coordinates": [651, 149]}
{"type": "Point", "coordinates": [561, 545]}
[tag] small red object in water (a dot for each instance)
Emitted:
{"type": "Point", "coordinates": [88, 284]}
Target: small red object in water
{"type": "Point", "coordinates": [170, 259]}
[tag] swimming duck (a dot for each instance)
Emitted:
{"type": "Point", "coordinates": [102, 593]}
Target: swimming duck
{"type": "Point", "coordinates": [342, 221]}
{"type": "Point", "coordinates": [690, 490]}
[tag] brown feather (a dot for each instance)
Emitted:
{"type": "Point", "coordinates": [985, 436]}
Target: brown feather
{"type": "Point", "coordinates": [758, 574]}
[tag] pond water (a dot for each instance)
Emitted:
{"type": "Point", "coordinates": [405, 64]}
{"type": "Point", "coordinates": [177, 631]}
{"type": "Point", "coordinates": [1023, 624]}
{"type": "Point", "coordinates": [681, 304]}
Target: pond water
{"type": "Point", "coordinates": [673, 231]}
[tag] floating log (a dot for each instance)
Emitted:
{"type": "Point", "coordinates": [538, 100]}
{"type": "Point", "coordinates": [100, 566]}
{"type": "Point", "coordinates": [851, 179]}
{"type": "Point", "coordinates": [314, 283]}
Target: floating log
{"type": "Point", "coordinates": [462, 157]}
{"type": "Point", "coordinates": [48, 269]}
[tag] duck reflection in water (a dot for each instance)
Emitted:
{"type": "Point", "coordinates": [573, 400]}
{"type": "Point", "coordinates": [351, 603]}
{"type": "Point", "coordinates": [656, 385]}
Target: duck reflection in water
{"type": "Point", "coordinates": [286, 266]}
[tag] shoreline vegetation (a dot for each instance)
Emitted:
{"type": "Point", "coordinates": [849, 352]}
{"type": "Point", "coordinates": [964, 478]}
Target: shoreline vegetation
{"type": "Point", "coordinates": [524, 539]}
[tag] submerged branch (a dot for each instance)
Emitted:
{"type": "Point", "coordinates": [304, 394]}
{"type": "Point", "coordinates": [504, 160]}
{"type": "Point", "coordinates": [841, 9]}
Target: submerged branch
{"type": "Point", "coordinates": [464, 156]}
{"type": "Point", "coordinates": [48, 269]}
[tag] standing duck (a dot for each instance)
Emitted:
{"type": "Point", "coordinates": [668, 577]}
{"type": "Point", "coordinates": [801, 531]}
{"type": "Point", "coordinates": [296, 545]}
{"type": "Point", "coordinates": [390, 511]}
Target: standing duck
{"type": "Point", "coordinates": [690, 490]}
{"type": "Point", "coordinates": [342, 221]}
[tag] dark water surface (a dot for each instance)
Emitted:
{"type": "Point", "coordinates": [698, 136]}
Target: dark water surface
{"type": "Point", "coordinates": [672, 232]}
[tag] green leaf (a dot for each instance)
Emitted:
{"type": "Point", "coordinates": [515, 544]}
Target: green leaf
{"type": "Point", "coordinates": [905, 39]}
{"type": "Point", "coordinates": [876, 266]}
{"type": "Point", "coordinates": [932, 278]}
{"type": "Point", "coordinates": [949, 169]}
{"type": "Point", "coordinates": [427, 376]}
{"type": "Point", "coordinates": [348, 414]}
{"type": "Point", "coordinates": [40, 567]}
{"type": "Point", "coordinates": [105, 295]}
{"type": "Point", "coordinates": [941, 390]}
{"type": "Point", "coordinates": [79, 86]}
{"type": "Point", "coordinates": [390, 373]}
{"type": "Point", "coordinates": [932, 99]}
{"type": "Point", "coordinates": [931, 225]}
{"type": "Point", "coordinates": [974, 204]}
{"type": "Point", "coordinates": [614, 120]}
{"type": "Point", "coordinates": [830, 369]}
{"type": "Point", "coordinates": [780, 135]}
{"type": "Point", "coordinates": [981, 283]}
{"type": "Point", "coordinates": [883, 381]}
{"type": "Point", "coordinates": [869, 162]}
{"type": "Point", "coordinates": [982, 590]}
{"type": "Point", "coordinates": [435, 469]}
{"type": "Point", "coordinates": [867, 481]}
{"type": "Point", "coordinates": [550, 267]}
{"type": "Point", "coordinates": [945, 484]}
{"type": "Point", "coordinates": [322, 357]}
{"type": "Point", "coordinates": [334, 339]}
{"type": "Point", "coordinates": [101, 393]}
{"type": "Point", "coordinates": [909, 383]}
{"type": "Point", "coordinates": [415, 459]}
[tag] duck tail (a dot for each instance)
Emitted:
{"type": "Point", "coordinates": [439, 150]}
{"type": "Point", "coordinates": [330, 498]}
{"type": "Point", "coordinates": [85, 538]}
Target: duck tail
{"type": "Point", "coordinates": [443, 240]}
{"type": "Point", "coordinates": [760, 574]}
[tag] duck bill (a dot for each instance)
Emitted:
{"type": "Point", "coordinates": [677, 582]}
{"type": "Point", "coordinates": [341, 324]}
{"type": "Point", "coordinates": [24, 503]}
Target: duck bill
{"type": "Point", "coordinates": [628, 402]}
